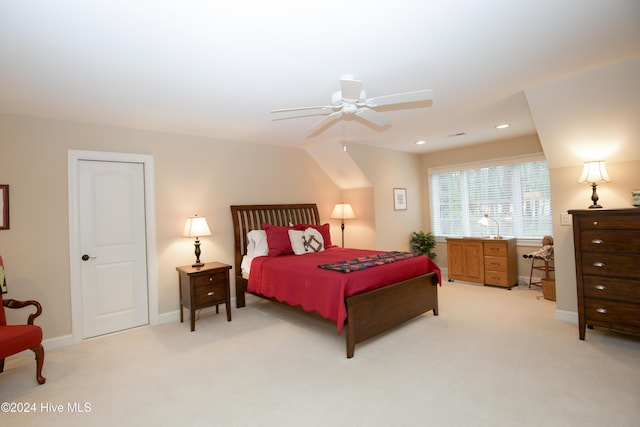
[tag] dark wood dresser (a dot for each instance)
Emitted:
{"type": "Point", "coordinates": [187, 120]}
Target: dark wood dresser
{"type": "Point", "coordinates": [607, 250]}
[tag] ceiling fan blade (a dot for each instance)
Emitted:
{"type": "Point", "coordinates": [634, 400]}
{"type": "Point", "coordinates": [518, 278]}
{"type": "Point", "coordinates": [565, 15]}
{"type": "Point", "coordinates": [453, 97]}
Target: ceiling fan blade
{"type": "Point", "coordinates": [400, 98]}
{"type": "Point", "coordinates": [318, 107]}
{"type": "Point", "coordinates": [351, 89]}
{"type": "Point", "coordinates": [372, 116]}
{"type": "Point", "coordinates": [322, 124]}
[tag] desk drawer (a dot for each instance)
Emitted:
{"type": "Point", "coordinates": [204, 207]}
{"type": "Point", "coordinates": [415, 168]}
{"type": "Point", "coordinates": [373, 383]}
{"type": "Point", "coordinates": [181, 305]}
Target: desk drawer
{"type": "Point", "coordinates": [497, 278]}
{"type": "Point", "coordinates": [497, 249]}
{"type": "Point", "coordinates": [492, 263]}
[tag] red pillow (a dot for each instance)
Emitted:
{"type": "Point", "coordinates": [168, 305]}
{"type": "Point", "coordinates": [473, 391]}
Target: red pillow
{"type": "Point", "coordinates": [324, 229]}
{"type": "Point", "coordinates": [278, 239]}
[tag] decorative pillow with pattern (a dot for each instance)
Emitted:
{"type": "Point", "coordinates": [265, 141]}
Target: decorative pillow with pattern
{"type": "Point", "coordinates": [307, 241]}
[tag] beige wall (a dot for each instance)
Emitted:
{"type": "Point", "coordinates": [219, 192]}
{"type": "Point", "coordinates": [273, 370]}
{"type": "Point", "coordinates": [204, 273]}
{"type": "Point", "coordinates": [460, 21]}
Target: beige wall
{"type": "Point", "coordinates": [192, 175]}
{"type": "Point", "coordinates": [387, 169]}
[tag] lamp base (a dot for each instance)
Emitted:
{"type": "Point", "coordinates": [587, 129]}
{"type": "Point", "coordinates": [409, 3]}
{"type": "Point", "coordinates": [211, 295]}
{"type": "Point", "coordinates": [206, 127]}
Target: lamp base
{"type": "Point", "coordinates": [197, 264]}
{"type": "Point", "coordinates": [594, 197]}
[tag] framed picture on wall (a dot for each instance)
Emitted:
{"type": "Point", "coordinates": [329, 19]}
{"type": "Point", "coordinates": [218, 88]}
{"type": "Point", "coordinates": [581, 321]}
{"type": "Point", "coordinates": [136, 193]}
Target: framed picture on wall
{"type": "Point", "coordinates": [4, 207]}
{"type": "Point", "coordinates": [399, 199]}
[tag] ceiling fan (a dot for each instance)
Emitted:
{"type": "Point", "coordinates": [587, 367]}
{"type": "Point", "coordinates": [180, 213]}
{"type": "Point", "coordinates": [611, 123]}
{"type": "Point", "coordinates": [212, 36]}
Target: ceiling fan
{"type": "Point", "coordinates": [351, 100]}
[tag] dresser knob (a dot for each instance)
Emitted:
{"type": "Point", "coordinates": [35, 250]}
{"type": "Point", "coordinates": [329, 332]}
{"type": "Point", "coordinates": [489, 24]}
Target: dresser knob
{"type": "Point", "coordinates": [597, 242]}
{"type": "Point", "coordinates": [210, 293]}
{"type": "Point", "coordinates": [598, 264]}
{"type": "Point", "coordinates": [211, 279]}
{"type": "Point", "coordinates": [595, 222]}
{"type": "Point", "coordinates": [601, 310]}
{"type": "Point", "coordinates": [600, 287]}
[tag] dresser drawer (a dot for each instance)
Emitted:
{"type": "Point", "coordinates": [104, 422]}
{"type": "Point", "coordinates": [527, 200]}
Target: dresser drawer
{"type": "Point", "coordinates": [497, 278]}
{"type": "Point", "coordinates": [492, 263]}
{"type": "Point", "coordinates": [209, 294]}
{"type": "Point", "coordinates": [614, 222]}
{"type": "Point", "coordinates": [604, 264]}
{"type": "Point", "coordinates": [495, 249]}
{"type": "Point", "coordinates": [612, 314]}
{"type": "Point", "coordinates": [625, 290]}
{"type": "Point", "coordinates": [612, 241]}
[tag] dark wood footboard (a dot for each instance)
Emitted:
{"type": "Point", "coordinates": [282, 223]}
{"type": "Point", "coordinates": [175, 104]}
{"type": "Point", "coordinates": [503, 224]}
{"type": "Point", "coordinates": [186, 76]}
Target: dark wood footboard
{"type": "Point", "coordinates": [373, 312]}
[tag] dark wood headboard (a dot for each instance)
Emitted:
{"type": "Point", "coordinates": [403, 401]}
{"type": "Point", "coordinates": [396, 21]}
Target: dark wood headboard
{"type": "Point", "coordinates": [251, 217]}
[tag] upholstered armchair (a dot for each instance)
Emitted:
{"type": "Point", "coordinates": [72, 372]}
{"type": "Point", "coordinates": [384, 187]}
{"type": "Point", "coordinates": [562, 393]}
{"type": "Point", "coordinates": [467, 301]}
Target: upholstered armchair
{"type": "Point", "coordinates": [17, 338]}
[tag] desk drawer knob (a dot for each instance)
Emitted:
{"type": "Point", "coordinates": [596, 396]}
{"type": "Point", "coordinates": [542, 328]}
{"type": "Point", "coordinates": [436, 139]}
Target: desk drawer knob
{"type": "Point", "coordinates": [211, 279]}
{"type": "Point", "coordinates": [598, 264]}
{"type": "Point", "coordinates": [210, 293]}
{"type": "Point", "coordinates": [601, 310]}
{"type": "Point", "coordinates": [600, 287]}
{"type": "Point", "coordinates": [597, 241]}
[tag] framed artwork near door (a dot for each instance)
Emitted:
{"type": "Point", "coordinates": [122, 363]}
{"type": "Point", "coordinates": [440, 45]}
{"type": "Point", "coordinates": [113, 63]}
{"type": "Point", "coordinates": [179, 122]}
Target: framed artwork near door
{"type": "Point", "coordinates": [4, 207]}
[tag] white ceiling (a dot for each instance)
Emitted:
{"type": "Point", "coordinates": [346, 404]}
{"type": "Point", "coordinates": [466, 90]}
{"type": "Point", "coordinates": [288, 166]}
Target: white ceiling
{"type": "Point", "coordinates": [217, 68]}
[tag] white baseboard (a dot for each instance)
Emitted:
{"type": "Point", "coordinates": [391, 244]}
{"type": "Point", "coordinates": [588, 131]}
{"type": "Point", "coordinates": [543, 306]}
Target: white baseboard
{"type": "Point", "coordinates": [567, 316]}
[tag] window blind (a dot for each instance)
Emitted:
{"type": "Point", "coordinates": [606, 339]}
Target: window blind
{"type": "Point", "coordinates": [516, 193]}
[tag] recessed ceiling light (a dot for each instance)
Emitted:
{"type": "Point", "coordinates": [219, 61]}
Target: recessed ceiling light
{"type": "Point", "coordinates": [502, 126]}
{"type": "Point", "coordinates": [421, 142]}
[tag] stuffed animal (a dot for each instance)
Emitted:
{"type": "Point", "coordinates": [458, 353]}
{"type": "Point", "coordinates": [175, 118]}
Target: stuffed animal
{"type": "Point", "coordinates": [545, 252]}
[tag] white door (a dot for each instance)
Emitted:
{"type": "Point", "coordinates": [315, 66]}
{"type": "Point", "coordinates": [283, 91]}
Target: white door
{"type": "Point", "coordinates": [113, 266]}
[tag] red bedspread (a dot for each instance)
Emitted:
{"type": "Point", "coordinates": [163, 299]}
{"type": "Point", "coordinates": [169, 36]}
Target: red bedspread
{"type": "Point", "coordinates": [297, 280]}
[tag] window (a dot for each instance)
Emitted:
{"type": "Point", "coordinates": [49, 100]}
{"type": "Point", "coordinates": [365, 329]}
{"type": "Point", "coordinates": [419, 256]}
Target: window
{"type": "Point", "coordinates": [515, 192]}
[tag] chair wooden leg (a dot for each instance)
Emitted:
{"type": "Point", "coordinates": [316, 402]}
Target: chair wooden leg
{"type": "Point", "coordinates": [1, 365]}
{"type": "Point", "coordinates": [39, 351]}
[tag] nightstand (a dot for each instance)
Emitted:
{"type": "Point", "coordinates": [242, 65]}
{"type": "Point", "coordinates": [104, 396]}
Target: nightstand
{"type": "Point", "coordinates": [202, 287]}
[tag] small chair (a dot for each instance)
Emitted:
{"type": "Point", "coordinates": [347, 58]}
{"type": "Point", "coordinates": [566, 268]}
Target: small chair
{"type": "Point", "coordinates": [542, 260]}
{"type": "Point", "coordinates": [17, 338]}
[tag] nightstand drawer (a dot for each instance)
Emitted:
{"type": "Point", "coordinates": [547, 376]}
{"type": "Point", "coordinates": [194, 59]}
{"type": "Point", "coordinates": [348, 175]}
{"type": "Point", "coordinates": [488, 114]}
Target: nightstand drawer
{"type": "Point", "coordinates": [208, 294]}
{"type": "Point", "coordinates": [203, 280]}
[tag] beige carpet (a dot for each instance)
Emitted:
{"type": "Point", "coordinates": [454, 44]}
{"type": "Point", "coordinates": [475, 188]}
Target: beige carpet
{"type": "Point", "coordinates": [491, 358]}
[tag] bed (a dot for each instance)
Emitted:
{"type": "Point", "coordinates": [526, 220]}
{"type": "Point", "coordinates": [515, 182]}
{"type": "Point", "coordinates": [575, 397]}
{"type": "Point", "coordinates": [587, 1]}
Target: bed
{"type": "Point", "coordinates": [364, 311]}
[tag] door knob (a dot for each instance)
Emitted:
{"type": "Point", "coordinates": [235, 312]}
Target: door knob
{"type": "Point", "coordinates": [86, 257]}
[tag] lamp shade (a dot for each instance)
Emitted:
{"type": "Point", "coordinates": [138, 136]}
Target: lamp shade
{"type": "Point", "coordinates": [196, 226]}
{"type": "Point", "coordinates": [342, 211]}
{"type": "Point", "coordinates": [594, 172]}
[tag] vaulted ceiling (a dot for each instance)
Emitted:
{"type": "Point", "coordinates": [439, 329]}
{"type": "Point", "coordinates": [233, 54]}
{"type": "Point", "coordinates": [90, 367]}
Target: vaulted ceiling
{"type": "Point", "coordinates": [217, 69]}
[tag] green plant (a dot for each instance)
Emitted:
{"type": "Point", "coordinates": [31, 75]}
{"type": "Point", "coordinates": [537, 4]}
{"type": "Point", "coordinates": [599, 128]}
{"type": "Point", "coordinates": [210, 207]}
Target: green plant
{"type": "Point", "coordinates": [423, 243]}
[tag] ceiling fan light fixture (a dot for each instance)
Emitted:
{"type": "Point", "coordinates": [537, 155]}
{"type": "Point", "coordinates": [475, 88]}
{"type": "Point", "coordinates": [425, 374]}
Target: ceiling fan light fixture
{"type": "Point", "coordinates": [502, 126]}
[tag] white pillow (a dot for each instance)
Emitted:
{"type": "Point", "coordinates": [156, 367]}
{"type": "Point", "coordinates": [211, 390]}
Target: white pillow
{"type": "Point", "coordinates": [257, 243]}
{"type": "Point", "coordinates": [307, 241]}
{"type": "Point", "coordinates": [297, 241]}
